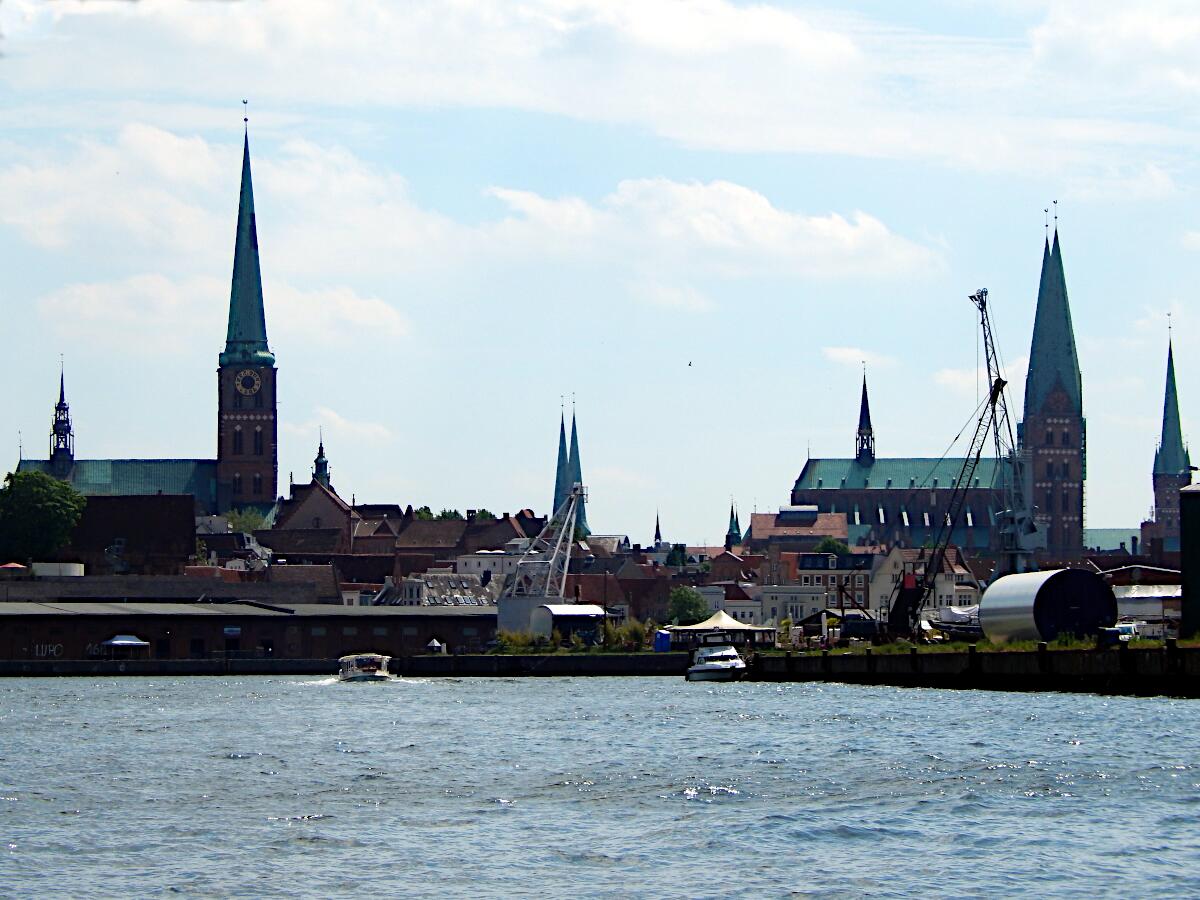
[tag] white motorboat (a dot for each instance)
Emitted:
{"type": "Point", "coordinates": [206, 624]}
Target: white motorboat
{"type": "Point", "coordinates": [716, 664]}
{"type": "Point", "coordinates": [364, 667]}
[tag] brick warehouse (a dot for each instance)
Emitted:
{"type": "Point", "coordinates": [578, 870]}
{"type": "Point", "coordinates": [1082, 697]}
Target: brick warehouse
{"type": "Point", "coordinates": [77, 631]}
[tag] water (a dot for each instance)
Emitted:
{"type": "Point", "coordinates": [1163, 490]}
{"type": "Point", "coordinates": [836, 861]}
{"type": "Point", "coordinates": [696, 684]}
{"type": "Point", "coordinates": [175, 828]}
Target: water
{"type": "Point", "coordinates": [260, 787]}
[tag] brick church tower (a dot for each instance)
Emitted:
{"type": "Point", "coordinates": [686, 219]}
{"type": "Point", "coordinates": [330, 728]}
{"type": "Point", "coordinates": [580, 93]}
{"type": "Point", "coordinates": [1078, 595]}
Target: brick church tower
{"type": "Point", "coordinates": [247, 426]}
{"type": "Point", "coordinates": [1053, 434]}
{"type": "Point", "coordinates": [1172, 472]}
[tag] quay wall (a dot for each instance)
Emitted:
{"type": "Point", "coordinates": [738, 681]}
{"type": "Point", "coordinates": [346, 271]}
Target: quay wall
{"type": "Point", "coordinates": [1169, 671]}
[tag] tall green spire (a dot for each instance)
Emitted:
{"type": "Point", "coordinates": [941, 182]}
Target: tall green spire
{"type": "Point", "coordinates": [246, 338]}
{"type": "Point", "coordinates": [1052, 358]}
{"type": "Point", "coordinates": [734, 533]}
{"type": "Point", "coordinates": [562, 476]}
{"type": "Point", "coordinates": [1171, 458]}
{"type": "Point", "coordinates": [576, 477]}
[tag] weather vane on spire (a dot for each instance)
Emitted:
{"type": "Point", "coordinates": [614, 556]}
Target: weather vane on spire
{"type": "Point", "coordinates": [1046, 212]}
{"type": "Point", "coordinates": [246, 114]}
{"type": "Point", "coordinates": [1056, 215]}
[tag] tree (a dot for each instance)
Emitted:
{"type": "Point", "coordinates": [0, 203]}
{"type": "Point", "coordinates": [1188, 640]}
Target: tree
{"type": "Point", "coordinates": [485, 514]}
{"type": "Point", "coordinates": [424, 514]}
{"type": "Point", "coordinates": [677, 556]}
{"type": "Point", "coordinates": [246, 520]}
{"type": "Point", "coordinates": [686, 606]}
{"type": "Point", "coordinates": [831, 545]}
{"type": "Point", "coordinates": [449, 514]}
{"type": "Point", "coordinates": [37, 515]}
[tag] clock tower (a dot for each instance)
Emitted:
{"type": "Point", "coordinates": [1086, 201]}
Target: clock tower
{"type": "Point", "coordinates": [247, 426]}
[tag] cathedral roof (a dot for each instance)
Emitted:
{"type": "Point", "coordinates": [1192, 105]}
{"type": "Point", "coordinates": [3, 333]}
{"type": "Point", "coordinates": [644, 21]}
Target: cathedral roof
{"type": "Point", "coordinates": [1171, 458]}
{"type": "Point", "coordinates": [246, 337]}
{"type": "Point", "coordinates": [112, 477]}
{"type": "Point", "coordinates": [1052, 359]}
{"type": "Point", "coordinates": [898, 473]}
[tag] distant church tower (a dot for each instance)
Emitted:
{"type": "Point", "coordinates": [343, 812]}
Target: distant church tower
{"type": "Point", "coordinates": [864, 453]}
{"type": "Point", "coordinates": [321, 466]}
{"type": "Point", "coordinates": [62, 439]}
{"type": "Point", "coordinates": [1172, 470]}
{"type": "Point", "coordinates": [247, 427]}
{"type": "Point", "coordinates": [1053, 432]}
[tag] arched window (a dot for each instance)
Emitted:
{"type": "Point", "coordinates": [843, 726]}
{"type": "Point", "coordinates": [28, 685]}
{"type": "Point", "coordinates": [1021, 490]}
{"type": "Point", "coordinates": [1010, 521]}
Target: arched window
{"type": "Point", "coordinates": [258, 441]}
{"type": "Point", "coordinates": [237, 399]}
{"type": "Point", "coordinates": [237, 483]}
{"type": "Point", "coordinates": [1049, 438]}
{"type": "Point", "coordinates": [1066, 438]}
{"type": "Point", "coordinates": [1049, 501]}
{"type": "Point", "coordinates": [257, 483]}
{"type": "Point", "coordinates": [258, 399]}
{"type": "Point", "coordinates": [237, 439]}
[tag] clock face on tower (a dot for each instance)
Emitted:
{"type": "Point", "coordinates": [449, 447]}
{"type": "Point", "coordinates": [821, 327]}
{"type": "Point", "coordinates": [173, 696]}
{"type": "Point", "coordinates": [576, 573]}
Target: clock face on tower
{"type": "Point", "coordinates": [247, 382]}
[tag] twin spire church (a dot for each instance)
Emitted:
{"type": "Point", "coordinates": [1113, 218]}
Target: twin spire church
{"type": "Point", "coordinates": [246, 469]}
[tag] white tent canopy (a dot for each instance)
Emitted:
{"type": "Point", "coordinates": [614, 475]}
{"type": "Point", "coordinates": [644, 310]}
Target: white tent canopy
{"type": "Point", "coordinates": [720, 621]}
{"type": "Point", "coordinates": [125, 640]}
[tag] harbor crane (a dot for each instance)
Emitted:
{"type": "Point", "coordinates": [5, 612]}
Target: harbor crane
{"type": "Point", "coordinates": [1019, 534]}
{"type": "Point", "coordinates": [541, 573]}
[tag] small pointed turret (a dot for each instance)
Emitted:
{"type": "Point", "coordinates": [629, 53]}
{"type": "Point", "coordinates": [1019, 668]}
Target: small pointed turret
{"type": "Point", "coordinates": [657, 531]}
{"type": "Point", "coordinates": [321, 465]}
{"type": "Point", "coordinates": [865, 439]}
{"type": "Point", "coordinates": [246, 336]}
{"type": "Point", "coordinates": [562, 475]}
{"type": "Point", "coordinates": [576, 477]}
{"type": "Point", "coordinates": [1171, 458]}
{"type": "Point", "coordinates": [1053, 361]}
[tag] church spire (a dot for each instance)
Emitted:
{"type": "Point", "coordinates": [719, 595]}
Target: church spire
{"type": "Point", "coordinates": [321, 464]}
{"type": "Point", "coordinates": [62, 437]}
{"type": "Point", "coordinates": [1171, 458]}
{"type": "Point", "coordinates": [562, 475]}
{"type": "Point", "coordinates": [1053, 362]}
{"type": "Point", "coordinates": [733, 534]}
{"type": "Point", "coordinates": [576, 477]}
{"type": "Point", "coordinates": [246, 337]}
{"type": "Point", "coordinates": [865, 439]}
{"type": "Point", "coordinates": [657, 530]}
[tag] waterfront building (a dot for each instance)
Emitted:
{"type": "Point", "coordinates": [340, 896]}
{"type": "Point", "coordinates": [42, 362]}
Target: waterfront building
{"type": "Point", "coordinates": [1172, 472]}
{"type": "Point", "coordinates": [244, 472]}
{"type": "Point", "coordinates": [954, 585]}
{"type": "Point", "coordinates": [1053, 432]}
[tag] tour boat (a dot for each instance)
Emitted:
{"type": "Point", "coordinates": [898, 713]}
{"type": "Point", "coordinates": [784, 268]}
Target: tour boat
{"type": "Point", "coordinates": [364, 667]}
{"type": "Point", "coordinates": [716, 664]}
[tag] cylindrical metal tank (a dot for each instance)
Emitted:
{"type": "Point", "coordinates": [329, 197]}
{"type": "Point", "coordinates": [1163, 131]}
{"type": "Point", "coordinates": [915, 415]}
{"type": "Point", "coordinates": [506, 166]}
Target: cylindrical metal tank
{"type": "Point", "coordinates": [1040, 606]}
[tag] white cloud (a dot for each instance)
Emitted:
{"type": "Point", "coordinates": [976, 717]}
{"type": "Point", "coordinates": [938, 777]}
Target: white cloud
{"type": "Point", "coordinates": [856, 356]}
{"type": "Point", "coordinates": [711, 73]}
{"type": "Point", "coordinates": [973, 383]}
{"type": "Point", "coordinates": [338, 427]}
{"type": "Point", "coordinates": [674, 296]}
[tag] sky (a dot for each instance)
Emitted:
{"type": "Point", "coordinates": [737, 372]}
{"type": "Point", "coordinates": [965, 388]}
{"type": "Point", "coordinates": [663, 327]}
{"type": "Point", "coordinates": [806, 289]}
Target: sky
{"type": "Point", "coordinates": [696, 221]}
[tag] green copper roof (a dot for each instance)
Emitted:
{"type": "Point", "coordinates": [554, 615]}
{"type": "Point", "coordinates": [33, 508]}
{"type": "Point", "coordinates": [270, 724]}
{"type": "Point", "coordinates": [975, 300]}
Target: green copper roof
{"type": "Point", "coordinates": [246, 337]}
{"type": "Point", "coordinates": [864, 410]}
{"type": "Point", "coordinates": [901, 473]}
{"type": "Point", "coordinates": [562, 474]}
{"type": "Point", "coordinates": [112, 477]}
{"type": "Point", "coordinates": [1171, 458]}
{"type": "Point", "coordinates": [1052, 358]}
{"type": "Point", "coordinates": [576, 476]}
{"type": "Point", "coordinates": [735, 530]}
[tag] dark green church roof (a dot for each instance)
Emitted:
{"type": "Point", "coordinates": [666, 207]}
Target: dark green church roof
{"type": "Point", "coordinates": [112, 477]}
{"type": "Point", "coordinates": [1171, 458]}
{"type": "Point", "coordinates": [902, 473]}
{"type": "Point", "coordinates": [246, 337]}
{"type": "Point", "coordinates": [1052, 358]}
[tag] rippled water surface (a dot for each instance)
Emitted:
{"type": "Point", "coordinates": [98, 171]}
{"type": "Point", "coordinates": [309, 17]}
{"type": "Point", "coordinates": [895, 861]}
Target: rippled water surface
{"type": "Point", "coordinates": [589, 787]}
